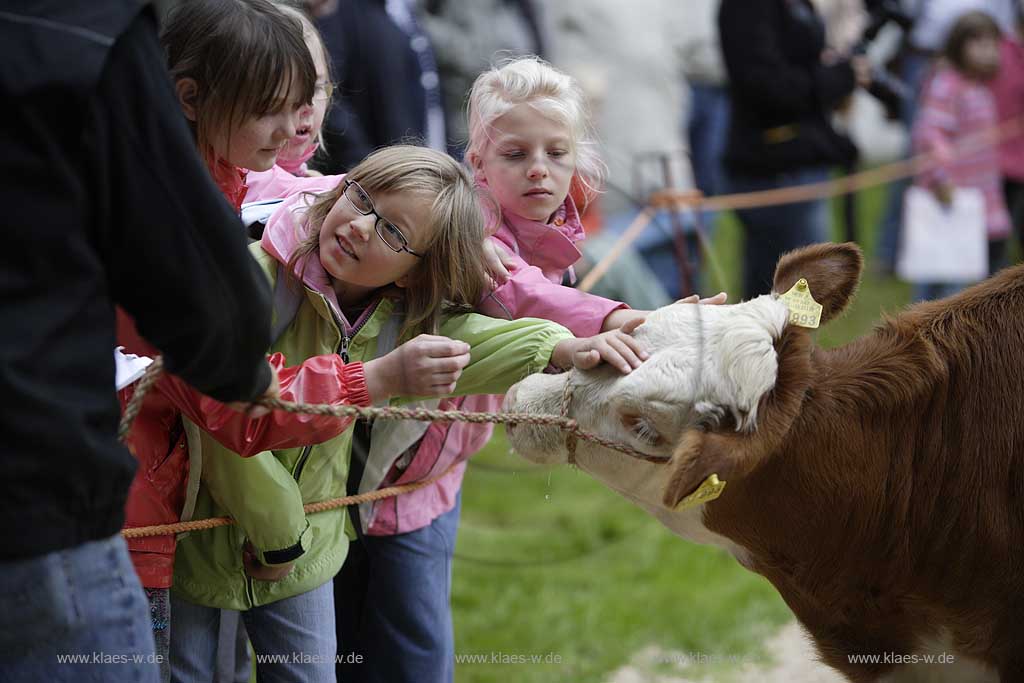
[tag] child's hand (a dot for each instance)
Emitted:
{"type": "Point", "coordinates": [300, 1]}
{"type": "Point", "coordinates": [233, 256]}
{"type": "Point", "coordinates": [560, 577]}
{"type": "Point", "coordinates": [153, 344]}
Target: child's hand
{"type": "Point", "coordinates": [260, 571]}
{"type": "Point", "coordinates": [497, 261]}
{"type": "Point", "coordinates": [617, 348]}
{"type": "Point", "coordinates": [716, 300]}
{"type": "Point", "coordinates": [425, 366]}
{"type": "Point", "coordinates": [944, 193]}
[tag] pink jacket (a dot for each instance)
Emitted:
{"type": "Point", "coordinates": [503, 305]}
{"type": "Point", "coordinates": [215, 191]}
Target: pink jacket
{"type": "Point", "coordinates": [1008, 87]}
{"type": "Point", "coordinates": [951, 109]}
{"type": "Point", "coordinates": [278, 183]}
{"type": "Point", "coordinates": [543, 254]}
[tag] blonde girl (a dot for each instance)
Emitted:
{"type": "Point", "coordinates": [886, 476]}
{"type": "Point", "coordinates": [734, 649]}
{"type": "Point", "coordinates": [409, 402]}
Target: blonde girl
{"type": "Point", "coordinates": [530, 142]}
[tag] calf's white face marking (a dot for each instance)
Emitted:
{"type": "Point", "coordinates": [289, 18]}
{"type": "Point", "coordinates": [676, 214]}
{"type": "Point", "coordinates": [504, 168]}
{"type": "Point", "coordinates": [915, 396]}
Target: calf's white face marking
{"type": "Point", "coordinates": [707, 364]}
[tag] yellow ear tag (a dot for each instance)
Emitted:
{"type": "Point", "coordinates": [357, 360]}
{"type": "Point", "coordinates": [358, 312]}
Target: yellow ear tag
{"type": "Point", "coordinates": [804, 311]}
{"type": "Point", "coordinates": [711, 488]}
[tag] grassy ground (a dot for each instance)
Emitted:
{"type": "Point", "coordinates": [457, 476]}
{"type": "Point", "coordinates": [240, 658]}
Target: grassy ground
{"type": "Point", "coordinates": [552, 565]}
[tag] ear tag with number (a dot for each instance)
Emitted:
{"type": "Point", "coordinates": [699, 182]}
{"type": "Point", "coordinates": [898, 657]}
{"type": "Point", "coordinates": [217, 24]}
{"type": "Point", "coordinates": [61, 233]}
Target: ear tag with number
{"type": "Point", "coordinates": [804, 311]}
{"type": "Point", "coordinates": [709, 490]}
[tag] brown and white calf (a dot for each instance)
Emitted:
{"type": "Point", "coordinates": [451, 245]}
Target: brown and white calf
{"type": "Point", "coordinates": [879, 486]}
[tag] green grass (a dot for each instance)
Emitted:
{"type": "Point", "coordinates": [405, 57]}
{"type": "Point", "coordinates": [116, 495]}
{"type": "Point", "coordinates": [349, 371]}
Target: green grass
{"type": "Point", "coordinates": [550, 562]}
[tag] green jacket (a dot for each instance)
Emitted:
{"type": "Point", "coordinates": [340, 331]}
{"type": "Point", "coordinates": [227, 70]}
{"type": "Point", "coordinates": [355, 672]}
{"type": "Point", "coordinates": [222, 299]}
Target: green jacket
{"type": "Point", "coordinates": [265, 493]}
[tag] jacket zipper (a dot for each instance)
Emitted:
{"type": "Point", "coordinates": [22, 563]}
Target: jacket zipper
{"type": "Point", "coordinates": [343, 352]}
{"type": "Point", "coordinates": [346, 338]}
{"type": "Point", "coordinates": [302, 462]}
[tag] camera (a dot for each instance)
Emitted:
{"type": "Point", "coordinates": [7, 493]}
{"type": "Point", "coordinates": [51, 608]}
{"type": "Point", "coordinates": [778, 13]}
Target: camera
{"type": "Point", "coordinates": [885, 87]}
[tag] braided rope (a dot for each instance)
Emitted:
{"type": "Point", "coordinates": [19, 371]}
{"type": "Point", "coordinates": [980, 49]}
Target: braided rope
{"type": "Point", "coordinates": [131, 411]}
{"type": "Point", "coordinates": [309, 508]}
{"type": "Point", "coordinates": [564, 422]}
{"type": "Point", "coordinates": [570, 436]}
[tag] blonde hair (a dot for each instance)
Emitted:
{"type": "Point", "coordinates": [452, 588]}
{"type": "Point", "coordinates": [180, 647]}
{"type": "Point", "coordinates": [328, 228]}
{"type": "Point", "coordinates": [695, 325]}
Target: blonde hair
{"type": "Point", "coordinates": [553, 93]}
{"type": "Point", "coordinates": [309, 30]}
{"type": "Point", "coordinates": [450, 276]}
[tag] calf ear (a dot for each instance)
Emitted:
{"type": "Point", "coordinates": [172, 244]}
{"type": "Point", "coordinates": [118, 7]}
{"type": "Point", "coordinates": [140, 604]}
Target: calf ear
{"type": "Point", "coordinates": [832, 272]}
{"type": "Point", "coordinates": [735, 454]}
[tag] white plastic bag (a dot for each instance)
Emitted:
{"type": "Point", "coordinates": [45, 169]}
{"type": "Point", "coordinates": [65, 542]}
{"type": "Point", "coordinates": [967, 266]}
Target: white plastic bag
{"type": "Point", "coordinates": [943, 243]}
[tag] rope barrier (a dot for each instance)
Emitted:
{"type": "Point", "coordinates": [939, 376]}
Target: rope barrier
{"type": "Point", "coordinates": [310, 508]}
{"type": "Point", "coordinates": [567, 424]}
{"type": "Point", "coordinates": [665, 199]}
{"type": "Point", "coordinates": [897, 170]}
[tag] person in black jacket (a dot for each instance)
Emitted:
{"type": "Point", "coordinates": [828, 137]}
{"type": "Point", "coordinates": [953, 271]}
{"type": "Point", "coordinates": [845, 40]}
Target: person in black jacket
{"type": "Point", "coordinates": [104, 201]}
{"type": "Point", "coordinates": [388, 89]}
{"type": "Point", "coordinates": [784, 86]}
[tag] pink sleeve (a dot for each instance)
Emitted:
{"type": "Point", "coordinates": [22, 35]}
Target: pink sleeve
{"type": "Point", "coordinates": [935, 126]}
{"type": "Point", "coordinates": [528, 294]}
{"type": "Point", "coordinates": [321, 379]}
{"type": "Point", "coordinates": [278, 183]}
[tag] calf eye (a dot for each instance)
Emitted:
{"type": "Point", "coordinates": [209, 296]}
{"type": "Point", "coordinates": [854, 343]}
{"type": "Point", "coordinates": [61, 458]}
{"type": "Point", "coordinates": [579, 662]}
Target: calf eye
{"type": "Point", "coordinates": [641, 428]}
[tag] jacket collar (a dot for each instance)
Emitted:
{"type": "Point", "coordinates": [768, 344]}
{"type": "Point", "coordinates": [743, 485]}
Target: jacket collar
{"type": "Point", "coordinates": [549, 246]}
{"type": "Point", "coordinates": [297, 166]}
{"type": "Point", "coordinates": [231, 181]}
{"type": "Point", "coordinates": [286, 229]}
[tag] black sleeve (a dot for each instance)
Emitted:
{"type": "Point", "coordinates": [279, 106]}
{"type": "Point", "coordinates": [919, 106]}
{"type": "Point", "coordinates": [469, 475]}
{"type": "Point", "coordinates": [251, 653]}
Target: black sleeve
{"type": "Point", "coordinates": [346, 138]}
{"type": "Point", "coordinates": [175, 251]}
{"type": "Point", "coordinates": [759, 72]}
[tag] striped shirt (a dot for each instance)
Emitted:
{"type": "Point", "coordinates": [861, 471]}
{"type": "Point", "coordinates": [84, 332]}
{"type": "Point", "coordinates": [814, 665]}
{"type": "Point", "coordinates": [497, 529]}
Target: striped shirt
{"type": "Point", "coordinates": [953, 108]}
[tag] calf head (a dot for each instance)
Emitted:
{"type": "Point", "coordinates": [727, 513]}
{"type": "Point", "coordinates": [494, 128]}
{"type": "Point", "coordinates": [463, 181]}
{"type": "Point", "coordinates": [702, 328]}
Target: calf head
{"type": "Point", "coordinates": [720, 390]}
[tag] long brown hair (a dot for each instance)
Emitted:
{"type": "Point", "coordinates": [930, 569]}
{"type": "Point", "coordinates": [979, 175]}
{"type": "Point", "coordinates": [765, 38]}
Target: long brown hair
{"type": "Point", "coordinates": [969, 26]}
{"type": "Point", "coordinates": [450, 276]}
{"type": "Point", "coordinates": [242, 55]}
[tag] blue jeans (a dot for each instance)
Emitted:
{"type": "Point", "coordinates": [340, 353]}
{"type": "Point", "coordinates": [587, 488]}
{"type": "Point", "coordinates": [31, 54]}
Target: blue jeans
{"type": "Point", "coordinates": [927, 291]}
{"type": "Point", "coordinates": [392, 598]}
{"type": "Point", "coordinates": [771, 231]}
{"type": "Point", "coordinates": [656, 245]}
{"type": "Point", "coordinates": [85, 602]}
{"type": "Point", "coordinates": [160, 618]}
{"type": "Point", "coordinates": [707, 128]}
{"type": "Point", "coordinates": [294, 637]}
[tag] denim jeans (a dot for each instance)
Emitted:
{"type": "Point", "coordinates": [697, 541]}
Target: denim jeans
{"type": "Point", "coordinates": [656, 246]}
{"type": "Point", "coordinates": [771, 231]}
{"type": "Point", "coordinates": [392, 599]}
{"type": "Point", "coordinates": [160, 618]}
{"type": "Point", "coordinates": [294, 637]}
{"type": "Point", "coordinates": [84, 602]}
{"type": "Point", "coordinates": [707, 128]}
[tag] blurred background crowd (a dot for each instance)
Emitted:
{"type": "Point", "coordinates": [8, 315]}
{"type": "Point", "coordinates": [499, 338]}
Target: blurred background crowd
{"type": "Point", "coordinates": [716, 95]}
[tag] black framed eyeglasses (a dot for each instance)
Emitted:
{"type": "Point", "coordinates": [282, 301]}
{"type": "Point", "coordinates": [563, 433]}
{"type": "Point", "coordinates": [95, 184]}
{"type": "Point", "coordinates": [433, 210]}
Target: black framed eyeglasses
{"type": "Point", "coordinates": [322, 92]}
{"type": "Point", "coordinates": [386, 230]}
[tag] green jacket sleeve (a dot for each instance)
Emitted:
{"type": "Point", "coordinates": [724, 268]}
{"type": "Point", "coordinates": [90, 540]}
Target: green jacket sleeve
{"type": "Point", "coordinates": [263, 498]}
{"type": "Point", "coordinates": [502, 352]}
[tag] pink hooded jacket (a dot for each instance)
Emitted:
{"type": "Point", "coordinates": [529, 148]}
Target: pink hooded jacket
{"type": "Point", "coordinates": [543, 254]}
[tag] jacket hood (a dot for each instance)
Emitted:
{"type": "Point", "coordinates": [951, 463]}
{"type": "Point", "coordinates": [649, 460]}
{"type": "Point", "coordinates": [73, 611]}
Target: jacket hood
{"type": "Point", "coordinates": [549, 246]}
{"type": "Point", "coordinates": [287, 228]}
{"type": "Point", "coordinates": [231, 181]}
{"type": "Point", "coordinates": [297, 166]}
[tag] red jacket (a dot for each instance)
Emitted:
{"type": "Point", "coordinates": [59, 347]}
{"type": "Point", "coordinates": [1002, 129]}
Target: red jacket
{"type": "Point", "coordinates": [157, 438]}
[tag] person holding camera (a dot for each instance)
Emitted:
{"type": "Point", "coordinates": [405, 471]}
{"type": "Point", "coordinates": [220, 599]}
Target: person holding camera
{"type": "Point", "coordinates": [784, 86]}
